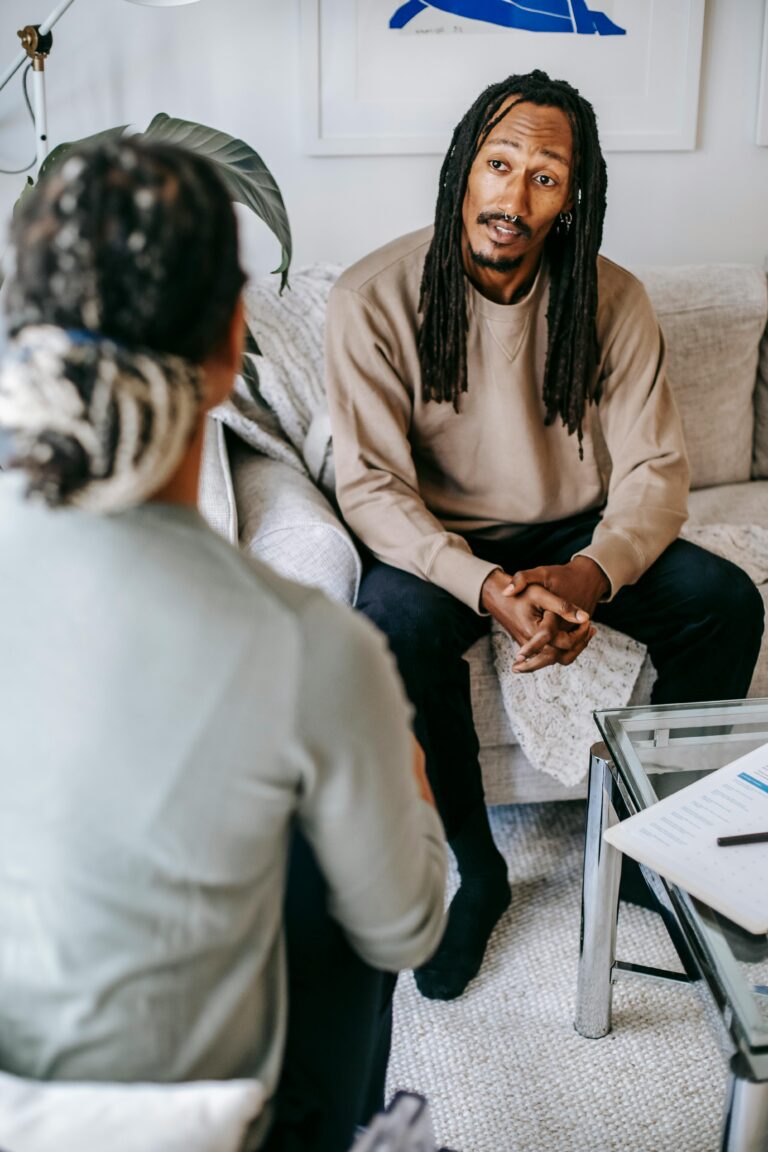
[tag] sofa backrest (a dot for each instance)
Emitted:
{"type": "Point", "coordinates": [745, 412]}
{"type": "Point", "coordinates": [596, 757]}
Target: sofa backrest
{"type": "Point", "coordinates": [713, 317]}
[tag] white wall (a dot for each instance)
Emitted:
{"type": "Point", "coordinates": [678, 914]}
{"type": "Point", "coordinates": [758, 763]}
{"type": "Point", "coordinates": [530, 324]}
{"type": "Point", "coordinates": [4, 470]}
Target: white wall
{"type": "Point", "coordinates": [235, 64]}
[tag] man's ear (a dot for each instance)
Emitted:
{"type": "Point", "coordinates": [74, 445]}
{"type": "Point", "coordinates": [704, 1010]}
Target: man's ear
{"type": "Point", "coordinates": [573, 199]}
{"type": "Point", "coordinates": [223, 365]}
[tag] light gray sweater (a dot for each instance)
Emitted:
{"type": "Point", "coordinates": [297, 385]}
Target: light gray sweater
{"type": "Point", "coordinates": [168, 707]}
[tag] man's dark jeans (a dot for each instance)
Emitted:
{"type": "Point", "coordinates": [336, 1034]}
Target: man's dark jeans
{"type": "Point", "coordinates": [700, 616]}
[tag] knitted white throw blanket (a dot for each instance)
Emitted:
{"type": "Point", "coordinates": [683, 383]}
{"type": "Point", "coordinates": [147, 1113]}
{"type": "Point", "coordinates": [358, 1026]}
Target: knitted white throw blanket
{"type": "Point", "coordinates": [289, 330]}
{"type": "Point", "coordinates": [550, 711]}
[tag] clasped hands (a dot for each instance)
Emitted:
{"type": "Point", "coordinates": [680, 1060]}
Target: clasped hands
{"type": "Point", "coordinates": [547, 610]}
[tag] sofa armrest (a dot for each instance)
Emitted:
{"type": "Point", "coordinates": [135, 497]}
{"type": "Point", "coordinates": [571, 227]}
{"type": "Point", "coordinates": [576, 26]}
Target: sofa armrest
{"type": "Point", "coordinates": [215, 496]}
{"type": "Point", "coordinates": [286, 522]}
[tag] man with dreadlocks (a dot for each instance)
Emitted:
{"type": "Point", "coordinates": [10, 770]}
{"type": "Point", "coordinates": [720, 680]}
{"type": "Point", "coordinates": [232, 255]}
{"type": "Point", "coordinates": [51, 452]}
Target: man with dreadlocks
{"type": "Point", "coordinates": [477, 374]}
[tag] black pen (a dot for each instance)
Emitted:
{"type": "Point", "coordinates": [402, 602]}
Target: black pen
{"type": "Point", "coordinates": [746, 838]}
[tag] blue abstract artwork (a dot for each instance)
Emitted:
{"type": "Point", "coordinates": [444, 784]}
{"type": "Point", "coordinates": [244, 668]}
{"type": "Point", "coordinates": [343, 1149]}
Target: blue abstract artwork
{"type": "Point", "coordinates": [530, 16]}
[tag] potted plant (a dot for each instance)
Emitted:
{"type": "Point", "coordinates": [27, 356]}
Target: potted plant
{"type": "Point", "coordinates": [241, 168]}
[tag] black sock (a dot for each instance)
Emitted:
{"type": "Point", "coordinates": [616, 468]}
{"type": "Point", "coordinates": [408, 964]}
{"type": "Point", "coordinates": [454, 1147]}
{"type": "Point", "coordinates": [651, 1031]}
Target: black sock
{"type": "Point", "coordinates": [483, 896]}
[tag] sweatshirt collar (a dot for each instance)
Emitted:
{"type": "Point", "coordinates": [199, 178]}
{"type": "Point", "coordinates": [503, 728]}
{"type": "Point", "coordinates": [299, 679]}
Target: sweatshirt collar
{"type": "Point", "coordinates": [508, 313]}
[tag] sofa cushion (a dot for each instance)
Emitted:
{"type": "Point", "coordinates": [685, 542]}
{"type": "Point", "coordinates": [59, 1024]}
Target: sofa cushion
{"type": "Point", "coordinates": [288, 523]}
{"type": "Point", "coordinates": [730, 504]}
{"type": "Point", "coordinates": [508, 778]}
{"type": "Point", "coordinates": [215, 496]}
{"type": "Point", "coordinates": [713, 317]}
{"type": "Point", "coordinates": [760, 454]}
{"type": "Point", "coordinates": [203, 1116]}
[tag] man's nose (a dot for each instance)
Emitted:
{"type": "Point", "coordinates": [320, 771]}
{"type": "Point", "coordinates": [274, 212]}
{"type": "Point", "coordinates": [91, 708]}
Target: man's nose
{"type": "Point", "coordinates": [515, 197]}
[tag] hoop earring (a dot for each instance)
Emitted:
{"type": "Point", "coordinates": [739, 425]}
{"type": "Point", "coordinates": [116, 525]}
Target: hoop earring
{"type": "Point", "coordinates": [564, 222]}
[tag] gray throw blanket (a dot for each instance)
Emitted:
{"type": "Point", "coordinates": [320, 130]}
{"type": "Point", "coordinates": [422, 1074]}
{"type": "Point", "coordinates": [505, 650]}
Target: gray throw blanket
{"type": "Point", "coordinates": [279, 408]}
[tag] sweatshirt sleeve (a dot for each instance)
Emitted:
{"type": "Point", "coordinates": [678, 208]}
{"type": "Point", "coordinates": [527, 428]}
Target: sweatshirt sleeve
{"type": "Point", "coordinates": [647, 502]}
{"type": "Point", "coordinates": [371, 407]}
{"type": "Point", "coordinates": [380, 846]}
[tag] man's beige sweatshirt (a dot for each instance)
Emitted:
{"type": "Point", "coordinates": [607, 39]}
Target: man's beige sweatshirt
{"type": "Point", "coordinates": [415, 477]}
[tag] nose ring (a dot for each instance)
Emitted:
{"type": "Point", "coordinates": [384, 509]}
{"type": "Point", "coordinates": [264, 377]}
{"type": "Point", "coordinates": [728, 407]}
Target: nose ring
{"type": "Point", "coordinates": [511, 219]}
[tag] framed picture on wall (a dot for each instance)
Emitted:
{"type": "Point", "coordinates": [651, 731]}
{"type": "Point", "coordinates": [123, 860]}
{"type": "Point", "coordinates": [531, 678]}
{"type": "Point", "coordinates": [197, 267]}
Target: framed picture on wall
{"type": "Point", "coordinates": [395, 76]}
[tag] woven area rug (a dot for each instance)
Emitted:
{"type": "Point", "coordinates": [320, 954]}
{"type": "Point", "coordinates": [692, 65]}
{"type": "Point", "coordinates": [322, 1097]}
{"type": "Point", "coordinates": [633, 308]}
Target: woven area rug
{"type": "Point", "coordinates": [503, 1067]}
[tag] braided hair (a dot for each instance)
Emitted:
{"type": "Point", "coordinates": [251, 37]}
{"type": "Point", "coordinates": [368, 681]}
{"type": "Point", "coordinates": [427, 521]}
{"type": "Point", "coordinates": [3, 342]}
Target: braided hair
{"type": "Point", "coordinates": [126, 279]}
{"type": "Point", "coordinates": [133, 240]}
{"type": "Point", "coordinates": [570, 374]}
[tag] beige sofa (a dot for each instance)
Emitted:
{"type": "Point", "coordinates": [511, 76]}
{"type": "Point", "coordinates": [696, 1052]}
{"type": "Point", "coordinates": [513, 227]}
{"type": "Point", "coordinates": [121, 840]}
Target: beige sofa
{"type": "Point", "coordinates": [714, 322]}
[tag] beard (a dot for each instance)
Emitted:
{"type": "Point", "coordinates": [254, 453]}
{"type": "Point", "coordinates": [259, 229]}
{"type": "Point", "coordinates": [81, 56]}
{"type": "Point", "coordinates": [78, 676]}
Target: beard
{"type": "Point", "coordinates": [497, 263]}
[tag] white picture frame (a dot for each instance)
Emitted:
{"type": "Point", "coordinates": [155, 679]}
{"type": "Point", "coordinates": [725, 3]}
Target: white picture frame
{"type": "Point", "coordinates": [761, 127]}
{"type": "Point", "coordinates": [369, 90]}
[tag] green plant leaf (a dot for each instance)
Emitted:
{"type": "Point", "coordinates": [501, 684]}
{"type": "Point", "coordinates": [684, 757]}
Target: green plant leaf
{"type": "Point", "coordinates": [59, 152]}
{"type": "Point", "coordinates": [245, 174]}
{"type": "Point", "coordinates": [250, 343]}
{"type": "Point", "coordinates": [242, 170]}
{"type": "Point", "coordinates": [28, 186]}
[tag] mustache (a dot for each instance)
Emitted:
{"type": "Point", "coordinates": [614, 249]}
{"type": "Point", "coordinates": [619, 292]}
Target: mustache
{"type": "Point", "coordinates": [502, 217]}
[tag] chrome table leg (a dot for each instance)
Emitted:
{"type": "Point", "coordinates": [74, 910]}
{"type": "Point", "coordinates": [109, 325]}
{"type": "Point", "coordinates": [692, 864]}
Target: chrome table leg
{"type": "Point", "coordinates": [599, 902]}
{"type": "Point", "coordinates": [746, 1115]}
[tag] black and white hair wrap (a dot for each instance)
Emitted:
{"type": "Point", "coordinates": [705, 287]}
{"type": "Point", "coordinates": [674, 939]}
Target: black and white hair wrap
{"type": "Point", "coordinates": [94, 424]}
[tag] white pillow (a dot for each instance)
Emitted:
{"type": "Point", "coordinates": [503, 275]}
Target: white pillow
{"type": "Point", "coordinates": [63, 1116]}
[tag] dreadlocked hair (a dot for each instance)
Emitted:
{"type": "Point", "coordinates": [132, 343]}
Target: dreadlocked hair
{"type": "Point", "coordinates": [570, 374]}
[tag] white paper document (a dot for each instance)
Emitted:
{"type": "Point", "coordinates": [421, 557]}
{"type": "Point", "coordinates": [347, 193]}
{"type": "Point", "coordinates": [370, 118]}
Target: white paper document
{"type": "Point", "coordinates": [678, 839]}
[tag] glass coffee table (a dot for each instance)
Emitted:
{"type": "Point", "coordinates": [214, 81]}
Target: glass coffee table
{"type": "Point", "coordinates": [648, 753]}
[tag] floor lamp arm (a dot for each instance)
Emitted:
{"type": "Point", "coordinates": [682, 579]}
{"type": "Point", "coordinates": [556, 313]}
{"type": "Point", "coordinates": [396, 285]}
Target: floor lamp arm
{"type": "Point", "coordinates": [11, 71]}
{"type": "Point", "coordinates": [56, 15]}
{"type": "Point", "coordinates": [38, 75]}
{"type": "Point", "coordinates": [45, 27]}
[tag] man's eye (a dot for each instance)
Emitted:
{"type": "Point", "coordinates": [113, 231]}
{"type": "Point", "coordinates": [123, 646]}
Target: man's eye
{"type": "Point", "coordinates": [545, 181]}
{"type": "Point", "coordinates": [497, 165]}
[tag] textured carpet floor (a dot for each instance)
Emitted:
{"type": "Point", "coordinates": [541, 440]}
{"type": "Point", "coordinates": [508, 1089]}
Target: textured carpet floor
{"type": "Point", "coordinates": [503, 1067]}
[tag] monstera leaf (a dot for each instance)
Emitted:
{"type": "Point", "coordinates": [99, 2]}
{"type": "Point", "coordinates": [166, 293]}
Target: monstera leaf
{"type": "Point", "coordinates": [242, 170]}
{"type": "Point", "coordinates": [54, 158]}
